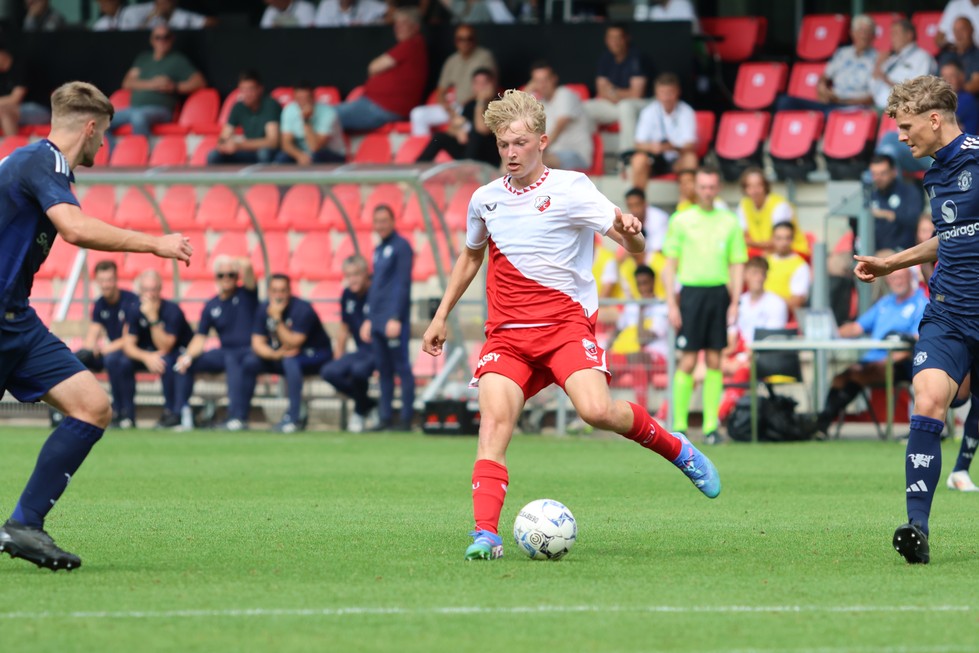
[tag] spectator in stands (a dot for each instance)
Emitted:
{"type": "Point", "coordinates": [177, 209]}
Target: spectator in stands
{"type": "Point", "coordinates": [288, 13]}
{"type": "Point", "coordinates": [41, 17]}
{"type": "Point", "coordinates": [110, 17]}
{"type": "Point", "coordinates": [905, 61]}
{"type": "Point", "coordinates": [620, 86]}
{"type": "Point", "coordinates": [102, 349]}
{"type": "Point", "coordinates": [350, 371]}
{"type": "Point", "coordinates": [311, 130]}
{"type": "Point", "coordinates": [760, 210]}
{"type": "Point", "coordinates": [789, 276]}
{"type": "Point", "coordinates": [345, 13]}
{"type": "Point", "coordinates": [895, 205]}
{"type": "Point", "coordinates": [967, 111]}
{"type": "Point", "coordinates": [666, 136]}
{"type": "Point", "coordinates": [480, 11]}
{"type": "Point", "coordinates": [668, 10]}
{"type": "Point", "coordinates": [455, 79]}
{"type": "Point", "coordinates": [605, 269]}
{"type": "Point", "coordinates": [395, 80]}
{"type": "Point", "coordinates": [654, 219]}
{"type": "Point", "coordinates": [153, 338]}
{"type": "Point", "coordinates": [288, 339]}
{"type": "Point", "coordinates": [846, 82]}
{"type": "Point", "coordinates": [230, 314]}
{"type": "Point", "coordinates": [15, 110]}
{"type": "Point", "coordinates": [156, 81]}
{"type": "Point", "coordinates": [569, 130]}
{"type": "Point", "coordinates": [148, 15]}
{"type": "Point", "coordinates": [387, 326]}
{"type": "Point", "coordinates": [953, 10]}
{"type": "Point", "coordinates": [964, 51]}
{"type": "Point", "coordinates": [896, 314]}
{"type": "Point", "coordinates": [258, 116]}
{"type": "Point", "coordinates": [467, 136]}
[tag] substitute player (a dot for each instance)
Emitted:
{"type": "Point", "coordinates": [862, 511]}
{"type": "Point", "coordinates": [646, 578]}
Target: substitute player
{"type": "Point", "coordinates": [948, 341]}
{"type": "Point", "coordinates": [37, 204]}
{"type": "Point", "coordinates": [538, 225]}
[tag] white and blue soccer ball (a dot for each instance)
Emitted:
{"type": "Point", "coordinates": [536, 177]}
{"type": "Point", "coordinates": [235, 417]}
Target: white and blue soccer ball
{"type": "Point", "coordinates": [545, 530]}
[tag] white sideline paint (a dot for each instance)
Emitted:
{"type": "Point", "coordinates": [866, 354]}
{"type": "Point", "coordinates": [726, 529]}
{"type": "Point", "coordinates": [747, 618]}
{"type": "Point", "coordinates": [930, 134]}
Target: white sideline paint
{"type": "Point", "coordinates": [463, 610]}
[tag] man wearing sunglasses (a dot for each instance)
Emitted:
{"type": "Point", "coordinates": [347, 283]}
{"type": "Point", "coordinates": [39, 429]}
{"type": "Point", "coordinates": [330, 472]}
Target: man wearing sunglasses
{"type": "Point", "coordinates": [156, 81]}
{"type": "Point", "coordinates": [229, 314]}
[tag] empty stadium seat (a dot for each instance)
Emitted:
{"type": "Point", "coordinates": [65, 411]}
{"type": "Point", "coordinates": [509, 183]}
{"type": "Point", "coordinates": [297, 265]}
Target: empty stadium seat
{"type": "Point", "coordinates": [597, 168]}
{"type": "Point", "coordinates": [277, 244]}
{"type": "Point", "coordinates": [734, 38]}
{"type": "Point", "coordinates": [311, 258]}
{"type": "Point", "coordinates": [300, 209]}
{"type": "Point", "coordinates": [263, 200]}
{"type": "Point", "coordinates": [411, 148]}
{"type": "Point", "coordinates": [218, 210]}
{"type": "Point", "coordinates": [423, 263]}
{"type": "Point", "coordinates": [100, 202]}
{"type": "Point", "coordinates": [327, 94]}
{"type": "Point", "coordinates": [374, 148]}
{"type": "Point", "coordinates": [137, 263]}
{"type": "Point", "coordinates": [169, 151]}
{"type": "Point", "coordinates": [136, 212]}
{"type": "Point", "coordinates": [330, 215]}
{"type": "Point", "coordinates": [11, 143]}
{"type": "Point", "coordinates": [345, 249]}
{"type": "Point", "coordinates": [848, 142]}
{"type": "Point", "coordinates": [792, 145]}
{"type": "Point", "coordinates": [739, 141]}
{"type": "Point", "coordinates": [59, 261]}
{"type": "Point", "coordinates": [706, 121]}
{"type": "Point", "coordinates": [926, 25]}
{"type": "Point", "coordinates": [204, 147]}
{"type": "Point", "coordinates": [758, 83]}
{"type": "Point", "coordinates": [132, 150]}
{"type": "Point", "coordinates": [231, 243]}
{"type": "Point", "coordinates": [887, 124]}
{"type": "Point", "coordinates": [325, 297]}
{"type": "Point", "coordinates": [820, 35]}
{"type": "Point", "coordinates": [458, 209]}
{"type": "Point", "coordinates": [179, 207]}
{"type": "Point", "coordinates": [882, 33]}
{"type": "Point", "coordinates": [121, 98]}
{"type": "Point", "coordinates": [804, 79]}
{"type": "Point", "coordinates": [198, 115]}
{"type": "Point", "coordinates": [389, 194]}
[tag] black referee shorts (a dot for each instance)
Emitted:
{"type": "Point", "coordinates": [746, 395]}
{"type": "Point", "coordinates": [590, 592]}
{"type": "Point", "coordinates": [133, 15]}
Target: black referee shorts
{"type": "Point", "coordinates": [703, 310]}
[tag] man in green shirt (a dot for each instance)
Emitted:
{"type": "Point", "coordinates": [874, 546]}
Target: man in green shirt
{"type": "Point", "coordinates": [157, 80]}
{"type": "Point", "coordinates": [705, 253]}
{"type": "Point", "coordinates": [257, 115]}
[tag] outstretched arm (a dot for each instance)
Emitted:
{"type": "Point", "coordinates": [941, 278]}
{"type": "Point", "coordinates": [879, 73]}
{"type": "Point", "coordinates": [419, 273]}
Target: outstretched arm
{"type": "Point", "coordinates": [463, 272]}
{"type": "Point", "coordinates": [85, 231]}
{"type": "Point", "coordinates": [869, 268]}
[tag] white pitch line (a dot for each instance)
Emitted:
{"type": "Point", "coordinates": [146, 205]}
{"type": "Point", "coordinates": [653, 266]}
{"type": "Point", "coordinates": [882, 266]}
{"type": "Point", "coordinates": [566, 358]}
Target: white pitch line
{"type": "Point", "coordinates": [468, 610]}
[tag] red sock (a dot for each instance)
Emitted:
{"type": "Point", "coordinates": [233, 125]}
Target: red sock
{"type": "Point", "coordinates": [489, 490]}
{"type": "Point", "coordinates": [650, 434]}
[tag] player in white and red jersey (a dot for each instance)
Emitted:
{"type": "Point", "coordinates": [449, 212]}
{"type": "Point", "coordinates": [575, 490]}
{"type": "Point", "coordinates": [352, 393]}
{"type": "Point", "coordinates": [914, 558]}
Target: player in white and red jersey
{"type": "Point", "coordinates": [539, 226]}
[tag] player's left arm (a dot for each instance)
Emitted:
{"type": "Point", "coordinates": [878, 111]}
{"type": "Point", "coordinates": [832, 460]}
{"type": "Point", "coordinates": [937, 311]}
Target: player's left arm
{"type": "Point", "coordinates": [85, 231]}
{"type": "Point", "coordinates": [627, 231]}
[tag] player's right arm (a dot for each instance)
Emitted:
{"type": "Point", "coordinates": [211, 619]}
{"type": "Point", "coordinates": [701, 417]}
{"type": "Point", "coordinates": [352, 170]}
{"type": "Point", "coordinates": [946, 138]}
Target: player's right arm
{"type": "Point", "coordinates": [463, 272]}
{"type": "Point", "coordinates": [869, 268]}
{"type": "Point", "coordinates": [85, 231]}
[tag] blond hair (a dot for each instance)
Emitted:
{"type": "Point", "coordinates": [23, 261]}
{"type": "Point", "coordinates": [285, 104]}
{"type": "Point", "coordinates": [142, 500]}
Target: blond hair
{"type": "Point", "coordinates": [922, 94]}
{"type": "Point", "coordinates": [79, 99]}
{"type": "Point", "coordinates": [516, 105]}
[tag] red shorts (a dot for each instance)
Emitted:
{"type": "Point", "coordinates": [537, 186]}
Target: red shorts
{"type": "Point", "coordinates": [536, 357]}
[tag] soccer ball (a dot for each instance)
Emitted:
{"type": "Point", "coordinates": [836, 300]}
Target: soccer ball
{"type": "Point", "coordinates": [545, 530]}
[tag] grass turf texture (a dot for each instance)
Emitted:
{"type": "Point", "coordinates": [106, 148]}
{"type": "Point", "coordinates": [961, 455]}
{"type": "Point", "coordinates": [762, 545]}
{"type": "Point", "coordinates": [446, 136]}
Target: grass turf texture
{"type": "Point", "coordinates": [256, 542]}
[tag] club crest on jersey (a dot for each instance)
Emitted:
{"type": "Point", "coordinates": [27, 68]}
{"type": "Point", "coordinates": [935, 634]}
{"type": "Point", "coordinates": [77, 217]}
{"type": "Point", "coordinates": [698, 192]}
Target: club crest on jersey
{"type": "Point", "coordinates": [591, 349]}
{"type": "Point", "coordinates": [541, 202]}
{"type": "Point", "coordinates": [965, 180]}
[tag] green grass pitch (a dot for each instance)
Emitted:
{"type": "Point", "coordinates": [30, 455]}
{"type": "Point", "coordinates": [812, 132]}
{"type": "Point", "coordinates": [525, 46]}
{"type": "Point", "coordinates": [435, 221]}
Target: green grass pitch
{"type": "Point", "coordinates": [327, 542]}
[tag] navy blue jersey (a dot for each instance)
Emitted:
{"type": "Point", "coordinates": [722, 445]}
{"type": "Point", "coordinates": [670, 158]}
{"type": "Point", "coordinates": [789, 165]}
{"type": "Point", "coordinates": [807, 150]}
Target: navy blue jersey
{"type": "Point", "coordinates": [300, 317]}
{"type": "Point", "coordinates": [174, 323]}
{"type": "Point", "coordinates": [352, 313]}
{"type": "Point", "coordinates": [231, 318]}
{"type": "Point", "coordinates": [952, 185]}
{"type": "Point", "coordinates": [112, 317]}
{"type": "Point", "coordinates": [390, 294]}
{"type": "Point", "coordinates": [32, 180]}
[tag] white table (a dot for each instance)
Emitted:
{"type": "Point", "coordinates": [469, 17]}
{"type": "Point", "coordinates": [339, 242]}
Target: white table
{"type": "Point", "coordinates": [798, 343]}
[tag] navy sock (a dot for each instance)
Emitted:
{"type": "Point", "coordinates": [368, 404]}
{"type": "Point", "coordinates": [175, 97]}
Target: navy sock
{"type": "Point", "coordinates": [970, 437]}
{"type": "Point", "coordinates": [60, 458]}
{"type": "Point", "coordinates": [922, 467]}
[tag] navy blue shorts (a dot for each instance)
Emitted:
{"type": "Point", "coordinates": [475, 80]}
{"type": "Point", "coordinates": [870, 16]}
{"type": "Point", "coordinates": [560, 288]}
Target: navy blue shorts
{"type": "Point", "coordinates": [946, 342]}
{"type": "Point", "coordinates": [32, 359]}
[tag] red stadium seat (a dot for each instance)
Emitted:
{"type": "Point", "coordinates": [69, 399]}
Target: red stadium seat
{"type": "Point", "coordinates": [232, 243]}
{"type": "Point", "coordinates": [11, 143]}
{"type": "Point", "coordinates": [327, 94]}
{"type": "Point", "coordinates": [121, 98]}
{"type": "Point", "coordinates": [218, 210]}
{"type": "Point", "coordinates": [137, 263]}
{"type": "Point", "coordinates": [100, 202]}
{"type": "Point", "coordinates": [389, 194]}
{"type": "Point", "coordinates": [757, 84]}
{"type": "Point", "coordinates": [848, 142]}
{"type": "Point", "coordinates": [102, 156]}
{"type": "Point", "coordinates": [793, 142]}
{"type": "Point", "coordinates": [706, 121]}
{"type": "Point", "coordinates": [229, 102]}
{"type": "Point", "coordinates": [263, 199]}
{"type": "Point", "coordinates": [804, 79]}
{"type": "Point", "coordinates": [132, 150]}
{"type": "Point", "coordinates": [199, 157]}
{"type": "Point", "coordinates": [887, 125]}
{"type": "Point", "coordinates": [820, 35]}
{"type": "Point", "coordinates": [739, 141]}
{"type": "Point", "coordinates": [423, 264]}
{"type": "Point", "coordinates": [457, 211]}
{"type": "Point", "coordinates": [283, 95]}
{"type": "Point", "coordinates": [95, 257]}
{"type": "Point", "coordinates": [926, 25]}
{"type": "Point", "coordinates": [330, 216]}
{"type": "Point", "coordinates": [882, 33]}
{"type": "Point", "coordinates": [345, 249]}
{"type": "Point", "coordinates": [411, 148]}
{"type": "Point", "coordinates": [169, 151]}
{"type": "Point", "coordinates": [179, 206]}
{"type": "Point", "coordinates": [311, 259]}
{"type": "Point", "coordinates": [300, 209]}
{"type": "Point", "coordinates": [375, 148]}
{"type": "Point", "coordinates": [136, 212]}
{"type": "Point", "coordinates": [355, 92]}
{"type": "Point", "coordinates": [597, 168]}
{"type": "Point", "coordinates": [325, 297]}
{"type": "Point", "coordinates": [199, 115]}
{"type": "Point", "coordinates": [277, 244]}
{"type": "Point", "coordinates": [581, 90]}
{"type": "Point", "coordinates": [734, 38]}
{"type": "Point", "coordinates": [59, 261]}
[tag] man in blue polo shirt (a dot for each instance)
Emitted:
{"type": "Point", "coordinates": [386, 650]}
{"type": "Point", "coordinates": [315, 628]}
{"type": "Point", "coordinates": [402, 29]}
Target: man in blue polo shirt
{"type": "Point", "coordinates": [154, 338]}
{"type": "Point", "coordinates": [620, 86]}
{"type": "Point", "coordinates": [230, 314]}
{"type": "Point", "coordinates": [109, 314]}
{"type": "Point", "coordinates": [288, 339]}
{"type": "Point", "coordinates": [895, 205]}
{"type": "Point", "coordinates": [350, 372]}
